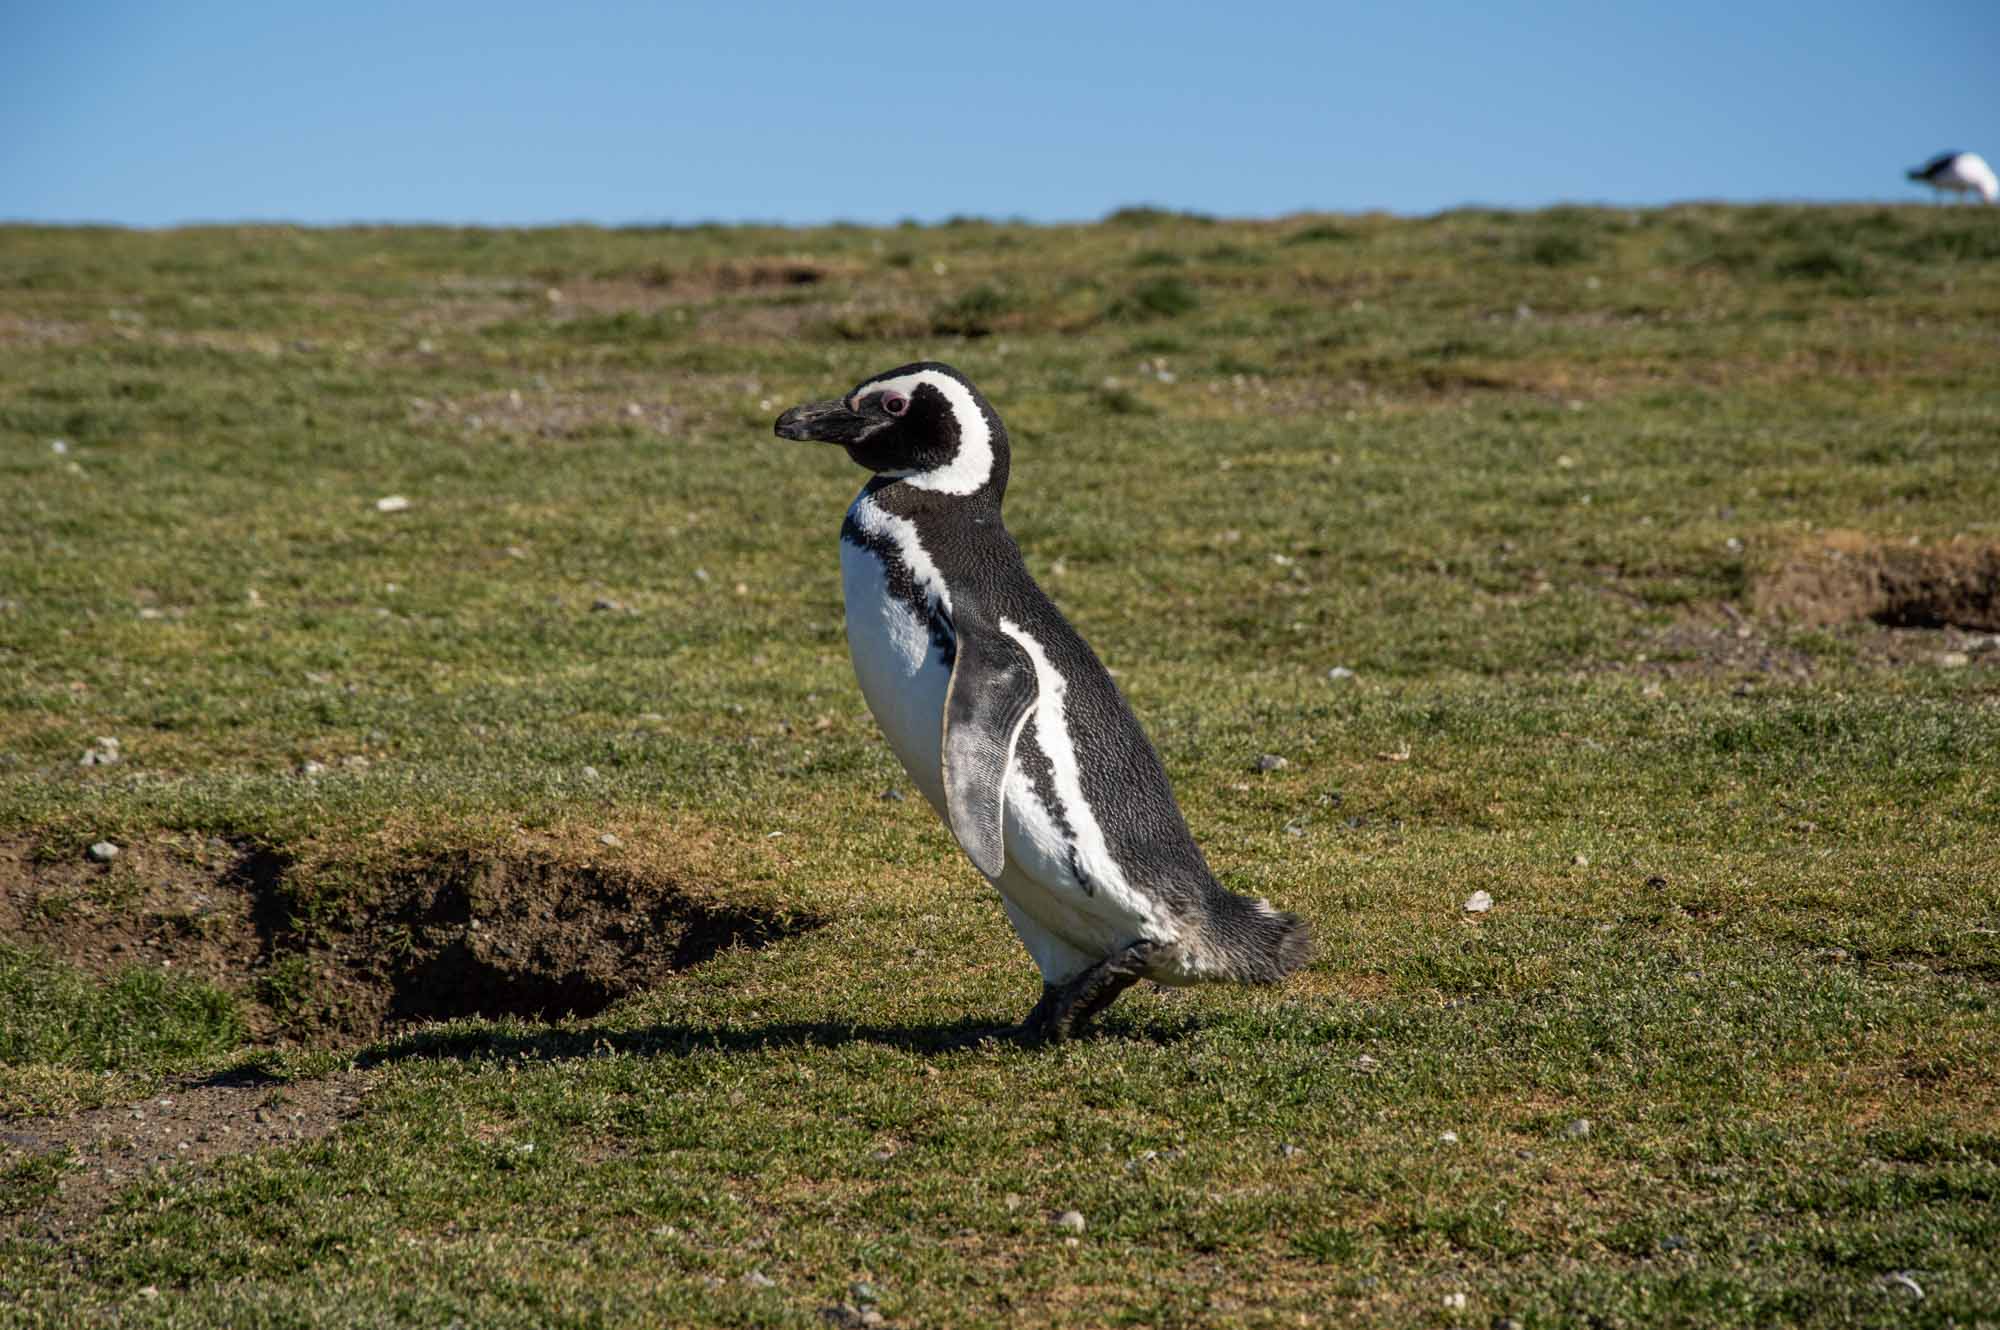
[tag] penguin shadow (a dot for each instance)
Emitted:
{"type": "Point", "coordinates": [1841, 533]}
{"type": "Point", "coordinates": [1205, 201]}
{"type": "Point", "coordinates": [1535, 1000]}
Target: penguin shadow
{"type": "Point", "coordinates": [565, 1043]}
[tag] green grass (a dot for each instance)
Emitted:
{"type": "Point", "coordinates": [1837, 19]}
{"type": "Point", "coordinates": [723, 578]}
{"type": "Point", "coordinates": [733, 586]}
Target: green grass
{"type": "Point", "coordinates": [1522, 473]}
{"type": "Point", "coordinates": [141, 1018]}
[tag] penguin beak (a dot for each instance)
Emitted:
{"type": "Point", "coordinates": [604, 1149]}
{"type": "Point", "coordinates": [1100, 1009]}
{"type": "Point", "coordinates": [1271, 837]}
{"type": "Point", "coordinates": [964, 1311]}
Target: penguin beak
{"type": "Point", "coordinates": [826, 422]}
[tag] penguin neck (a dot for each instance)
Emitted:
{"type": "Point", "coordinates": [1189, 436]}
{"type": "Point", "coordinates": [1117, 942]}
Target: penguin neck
{"type": "Point", "coordinates": [894, 494]}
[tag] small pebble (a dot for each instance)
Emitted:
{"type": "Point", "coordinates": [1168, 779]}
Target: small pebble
{"type": "Point", "coordinates": [1070, 1221]}
{"type": "Point", "coordinates": [1454, 1302]}
{"type": "Point", "coordinates": [1339, 672]}
{"type": "Point", "coordinates": [590, 773]}
{"type": "Point", "coordinates": [103, 752]}
{"type": "Point", "coordinates": [1578, 1129]}
{"type": "Point", "coordinates": [758, 1279]}
{"type": "Point", "coordinates": [1290, 1151]}
{"type": "Point", "coordinates": [393, 503]}
{"type": "Point", "coordinates": [1448, 1138]}
{"type": "Point", "coordinates": [1479, 902]}
{"type": "Point", "coordinates": [862, 1293]}
{"type": "Point", "coordinates": [609, 840]}
{"type": "Point", "coordinates": [1952, 660]}
{"type": "Point", "coordinates": [1580, 861]}
{"type": "Point", "coordinates": [103, 852]}
{"type": "Point", "coordinates": [312, 768]}
{"type": "Point", "coordinates": [1272, 762]}
{"type": "Point", "coordinates": [58, 446]}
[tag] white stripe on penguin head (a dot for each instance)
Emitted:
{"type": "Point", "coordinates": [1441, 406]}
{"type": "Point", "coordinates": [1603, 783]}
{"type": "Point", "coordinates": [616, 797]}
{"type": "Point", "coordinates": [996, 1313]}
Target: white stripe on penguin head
{"type": "Point", "coordinates": [972, 465]}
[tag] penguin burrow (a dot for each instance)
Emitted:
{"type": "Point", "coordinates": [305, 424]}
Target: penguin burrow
{"type": "Point", "coordinates": [1008, 723]}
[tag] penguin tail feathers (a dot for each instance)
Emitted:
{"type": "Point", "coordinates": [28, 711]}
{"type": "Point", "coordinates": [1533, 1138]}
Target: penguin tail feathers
{"type": "Point", "coordinates": [1256, 943]}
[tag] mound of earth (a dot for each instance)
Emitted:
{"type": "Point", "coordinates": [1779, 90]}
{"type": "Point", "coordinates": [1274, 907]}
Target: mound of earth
{"type": "Point", "coordinates": [451, 935]}
{"type": "Point", "coordinates": [1844, 576]}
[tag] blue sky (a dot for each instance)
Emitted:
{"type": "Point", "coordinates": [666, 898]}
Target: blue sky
{"type": "Point", "coordinates": [513, 113]}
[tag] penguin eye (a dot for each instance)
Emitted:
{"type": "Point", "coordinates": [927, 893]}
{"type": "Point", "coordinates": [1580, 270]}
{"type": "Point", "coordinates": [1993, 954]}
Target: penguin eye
{"type": "Point", "coordinates": [895, 403]}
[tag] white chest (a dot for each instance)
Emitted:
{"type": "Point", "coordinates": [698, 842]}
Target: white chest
{"type": "Point", "coordinates": [1065, 891]}
{"type": "Point", "coordinates": [903, 674]}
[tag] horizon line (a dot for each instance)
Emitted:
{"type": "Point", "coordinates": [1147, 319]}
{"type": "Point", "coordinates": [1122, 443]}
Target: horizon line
{"type": "Point", "coordinates": [1129, 212]}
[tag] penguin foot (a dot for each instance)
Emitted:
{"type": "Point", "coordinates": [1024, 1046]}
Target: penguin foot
{"type": "Point", "coordinates": [1066, 1008]}
{"type": "Point", "coordinates": [1034, 1027]}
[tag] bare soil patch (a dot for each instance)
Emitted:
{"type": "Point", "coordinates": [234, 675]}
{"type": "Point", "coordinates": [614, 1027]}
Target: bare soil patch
{"type": "Point", "coordinates": [26, 331]}
{"type": "Point", "coordinates": [529, 935]}
{"type": "Point", "coordinates": [1845, 576]}
{"type": "Point", "coordinates": [187, 1126]}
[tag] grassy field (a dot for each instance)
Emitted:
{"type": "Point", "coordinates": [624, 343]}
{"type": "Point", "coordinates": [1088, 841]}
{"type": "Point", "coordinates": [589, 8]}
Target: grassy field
{"type": "Point", "coordinates": [512, 920]}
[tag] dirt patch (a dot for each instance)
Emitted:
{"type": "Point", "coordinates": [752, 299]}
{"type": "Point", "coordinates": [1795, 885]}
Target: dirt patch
{"type": "Point", "coordinates": [1723, 644]}
{"type": "Point", "coordinates": [469, 935]}
{"type": "Point", "coordinates": [535, 936]}
{"type": "Point", "coordinates": [192, 1125]}
{"type": "Point", "coordinates": [15, 329]}
{"type": "Point", "coordinates": [180, 904]}
{"type": "Point", "coordinates": [1844, 577]}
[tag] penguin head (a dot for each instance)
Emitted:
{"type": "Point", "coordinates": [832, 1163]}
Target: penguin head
{"type": "Point", "coordinates": [924, 424]}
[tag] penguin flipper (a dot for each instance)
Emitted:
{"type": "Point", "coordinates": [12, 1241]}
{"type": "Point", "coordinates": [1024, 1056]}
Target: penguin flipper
{"type": "Point", "coordinates": [993, 691]}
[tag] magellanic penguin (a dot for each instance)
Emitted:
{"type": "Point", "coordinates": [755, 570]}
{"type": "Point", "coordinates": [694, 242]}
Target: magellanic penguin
{"type": "Point", "coordinates": [1008, 723]}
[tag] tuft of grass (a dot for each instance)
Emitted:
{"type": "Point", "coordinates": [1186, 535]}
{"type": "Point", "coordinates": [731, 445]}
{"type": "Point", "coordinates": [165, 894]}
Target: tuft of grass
{"type": "Point", "coordinates": [1821, 262]}
{"type": "Point", "coordinates": [975, 312]}
{"type": "Point", "coordinates": [1147, 215]}
{"type": "Point", "coordinates": [1166, 297]}
{"type": "Point", "coordinates": [139, 1018]}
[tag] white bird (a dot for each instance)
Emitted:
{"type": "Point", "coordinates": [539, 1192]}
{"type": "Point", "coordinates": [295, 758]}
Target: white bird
{"type": "Point", "coordinates": [1959, 173]}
